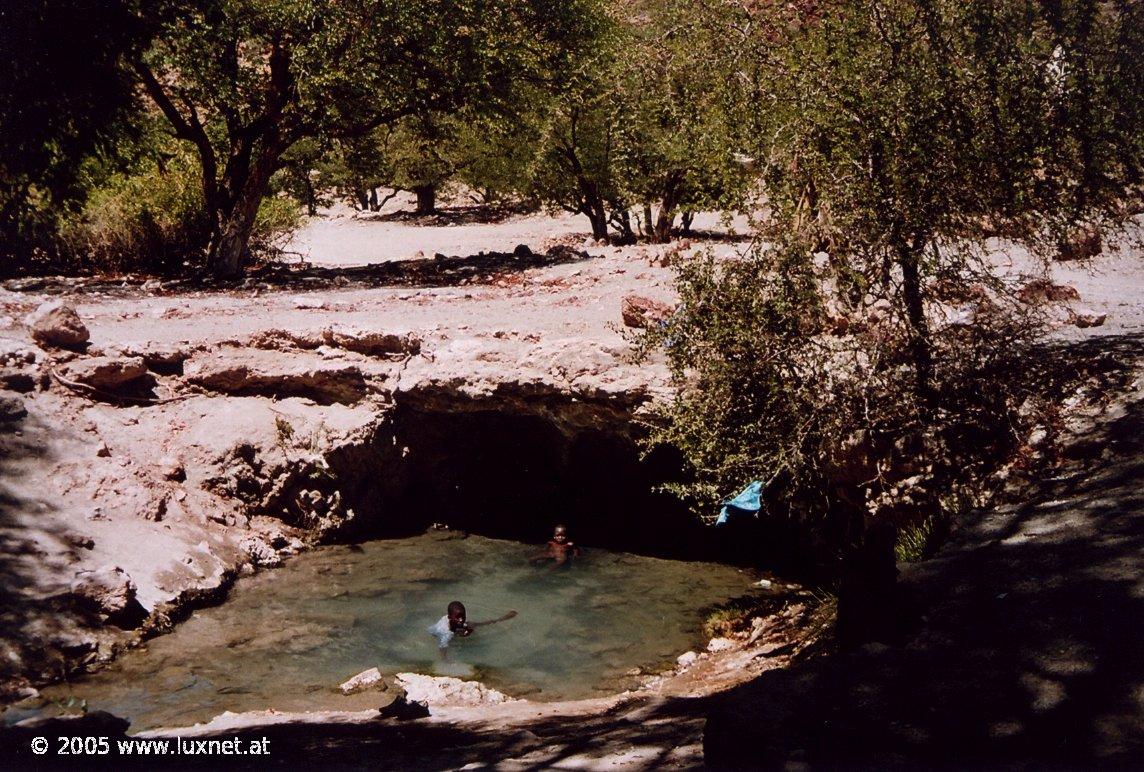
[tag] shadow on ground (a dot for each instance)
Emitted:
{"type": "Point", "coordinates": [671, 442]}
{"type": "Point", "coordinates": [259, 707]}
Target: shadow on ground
{"type": "Point", "coordinates": [650, 735]}
{"type": "Point", "coordinates": [466, 214]}
{"type": "Point", "coordinates": [437, 271]}
{"type": "Point", "coordinates": [1027, 651]}
{"type": "Point", "coordinates": [29, 541]}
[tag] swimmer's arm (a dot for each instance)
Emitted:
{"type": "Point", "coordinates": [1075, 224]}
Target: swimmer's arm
{"type": "Point", "coordinates": [507, 616]}
{"type": "Point", "coordinates": [544, 554]}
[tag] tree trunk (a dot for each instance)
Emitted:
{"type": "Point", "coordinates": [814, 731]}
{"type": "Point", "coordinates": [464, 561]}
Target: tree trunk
{"type": "Point", "coordinates": [599, 219]}
{"type": "Point", "coordinates": [373, 205]}
{"type": "Point", "coordinates": [686, 219]}
{"type": "Point", "coordinates": [426, 199]}
{"type": "Point", "coordinates": [663, 224]}
{"type": "Point", "coordinates": [361, 198]}
{"type": "Point", "coordinates": [646, 222]}
{"type": "Point", "coordinates": [230, 243]}
{"type": "Point", "coordinates": [229, 248]}
{"type": "Point", "coordinates": [311, 196]}
{"type": "Point", "coordinates": [623, 221]}
{"type": "Point", "coordinates": [920, 349]}
{"type": "Point", "coordinates": [592, 205]}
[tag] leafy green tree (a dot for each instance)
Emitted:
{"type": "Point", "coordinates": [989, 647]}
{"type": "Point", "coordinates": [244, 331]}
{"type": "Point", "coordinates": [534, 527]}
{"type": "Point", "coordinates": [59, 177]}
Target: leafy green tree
{"type": "Point", "coordinates": [494, 154]}
{"type": "Point", "coordinates": [895, 139]}
{"type": "Point", "coordinates": [576, 167]}
{"type": "Point", "coordinates": [65, 94]}
{"type": "Point", "coordinates": [643, 123]}
{"type": "Point", "coordinates": [674, 147]}
{"type": "Point", "coordinates": [243, 81]}
{"type": "Point", "coordinates": [903, 134]}
{"type": "Point", "coordinates": [416, 156]}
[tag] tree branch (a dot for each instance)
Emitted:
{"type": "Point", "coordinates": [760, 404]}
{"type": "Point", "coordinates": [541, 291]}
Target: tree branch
{"type": "Point", "coordinates": [190, 130]}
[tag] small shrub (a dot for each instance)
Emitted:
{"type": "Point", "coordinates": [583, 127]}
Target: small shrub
{"type": "Point", "coordinates": [914, 541]}
{"type": "Point", "coordinates": [151, 219]}
{"type": "Point", "coordinates": [148, 219]}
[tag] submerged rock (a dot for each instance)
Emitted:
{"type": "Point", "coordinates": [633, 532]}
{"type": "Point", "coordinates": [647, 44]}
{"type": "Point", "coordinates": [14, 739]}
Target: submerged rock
{"type": "Point", "coordinates": [56, 324]}
{"type": "Point", "coordinates": [364, 680]}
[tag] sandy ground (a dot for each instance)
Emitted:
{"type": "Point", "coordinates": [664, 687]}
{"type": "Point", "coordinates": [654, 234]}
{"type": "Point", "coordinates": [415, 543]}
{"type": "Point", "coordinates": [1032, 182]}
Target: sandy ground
{"type": "Point", "coordinates": [343, 237]}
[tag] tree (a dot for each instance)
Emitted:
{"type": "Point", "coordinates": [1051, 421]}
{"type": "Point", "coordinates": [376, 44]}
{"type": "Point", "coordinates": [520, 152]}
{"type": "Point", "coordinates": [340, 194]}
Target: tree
{"type": "Point", "coordinates": [243, 81]}
{"type": "Point", "coordinates": [642, 124]}
{"type": "Point", "coordinates": [576, 167]}
{"type": "Point", "coordinates": [903, 134]}
{"type": "Point", "coordinates": [65, 94]}
{"type": "Point", "coordinates": [674, 147]}
{"type": "Point", "coordinates": [895, 138]}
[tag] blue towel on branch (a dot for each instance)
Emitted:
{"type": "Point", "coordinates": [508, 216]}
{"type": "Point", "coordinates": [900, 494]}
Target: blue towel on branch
{"type": "Point", "coordinates": [749, 501]}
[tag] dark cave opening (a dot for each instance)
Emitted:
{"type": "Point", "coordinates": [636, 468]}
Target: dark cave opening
{"type": "Point", "coordinates": [504, 471]}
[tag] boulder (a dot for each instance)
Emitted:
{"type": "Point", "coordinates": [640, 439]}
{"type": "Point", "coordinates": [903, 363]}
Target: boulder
{"type": "Point", "coordinates": [11, 408]}
{"type": "Point", "coordinates": [110, 592]}
{"type": "Point", "coordinates": [17, 380]}
{"type": "Point", "coordinates": [56, 324]}
{"type": "Point", "coordinates": [444, 690]}
{"type": "Point", "coordinates": [261, 553]}
{"type": "Point", "coordinates": [720, 644]}
{"type": "Point", "coordinates": [1084, 317]}
{"type": "Point", "coordinates": [1045, 291]}
{"type": "Point", "coordinates": [366, 679]}
{"type": "Point", "coordinates": [105, 373]}
{"type": "Point", "coordinates": [639, 311]}
{"type": "Point", "coordinates": [687, 659]}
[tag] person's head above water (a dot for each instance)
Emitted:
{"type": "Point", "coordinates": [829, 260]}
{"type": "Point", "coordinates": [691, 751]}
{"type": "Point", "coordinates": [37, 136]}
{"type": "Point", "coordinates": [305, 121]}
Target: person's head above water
{"type": "Point", "coordinates": [456, 610]}
{"type": "Point", "coordinates": [458, 622]}
{"type": "Point", "coordinates": [560, 534]}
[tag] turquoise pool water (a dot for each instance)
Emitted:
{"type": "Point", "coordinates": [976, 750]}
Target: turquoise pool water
{"type": "Point", "coordinates": [286, 638]}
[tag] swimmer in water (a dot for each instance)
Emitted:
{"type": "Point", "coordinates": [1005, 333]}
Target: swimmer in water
{"type": "Point", "coordinates": [455, 623]}
{"type": "Point", "coordinates": [559, 549]}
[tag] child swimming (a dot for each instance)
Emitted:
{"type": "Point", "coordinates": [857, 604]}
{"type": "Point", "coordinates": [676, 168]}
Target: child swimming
{"type": "Point", "coordinates": [559, 549]}
{"type": "Point", "coordinates": [455, 623]}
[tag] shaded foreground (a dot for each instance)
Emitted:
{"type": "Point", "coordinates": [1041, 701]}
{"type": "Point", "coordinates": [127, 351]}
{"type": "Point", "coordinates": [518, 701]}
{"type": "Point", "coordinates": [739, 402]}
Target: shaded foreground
{"type": "Point", "coordinates": [1025, 649]}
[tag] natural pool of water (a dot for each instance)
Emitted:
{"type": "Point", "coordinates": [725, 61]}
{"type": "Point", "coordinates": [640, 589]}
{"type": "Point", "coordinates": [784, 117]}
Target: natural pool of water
{"type": "Point", "coordinates": [285, 639]}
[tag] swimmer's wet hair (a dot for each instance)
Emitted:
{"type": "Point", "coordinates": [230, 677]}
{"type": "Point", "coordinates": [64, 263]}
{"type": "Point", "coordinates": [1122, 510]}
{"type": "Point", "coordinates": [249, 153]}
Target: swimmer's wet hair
{"type": "Point", "coordinates": [456, 606]}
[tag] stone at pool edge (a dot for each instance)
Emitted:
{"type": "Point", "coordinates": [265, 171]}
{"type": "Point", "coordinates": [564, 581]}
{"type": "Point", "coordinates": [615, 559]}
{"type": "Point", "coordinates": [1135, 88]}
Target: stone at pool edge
{"type": "Point", "coordinates": [367, 679]}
